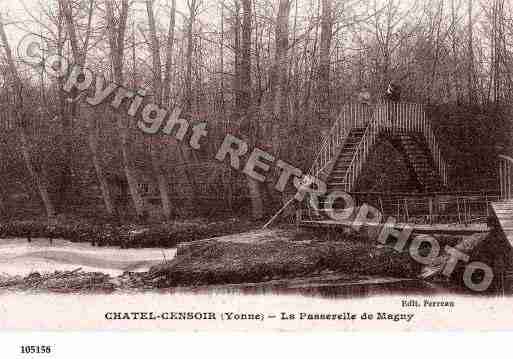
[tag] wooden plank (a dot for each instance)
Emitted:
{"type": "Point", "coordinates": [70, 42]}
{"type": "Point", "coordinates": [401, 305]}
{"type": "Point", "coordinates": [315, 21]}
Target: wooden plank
{"type": "Point", "coordinates": [504, 212]}
{"type": "Point", "coordinates": [419, 229]}
{"type": "Point", "coordinates": [504, 209]}
{"type": "Point", "coordinates": [505, 222]}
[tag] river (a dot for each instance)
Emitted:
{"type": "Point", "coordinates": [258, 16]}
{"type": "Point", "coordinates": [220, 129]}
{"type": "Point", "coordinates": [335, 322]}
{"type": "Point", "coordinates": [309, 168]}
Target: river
{"type": "Point", "coordinates": [19, 257]}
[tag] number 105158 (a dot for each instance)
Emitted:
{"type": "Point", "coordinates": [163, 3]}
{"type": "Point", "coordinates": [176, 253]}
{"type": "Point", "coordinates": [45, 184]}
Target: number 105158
{"type": "Point", "coordinates": [36, 349]}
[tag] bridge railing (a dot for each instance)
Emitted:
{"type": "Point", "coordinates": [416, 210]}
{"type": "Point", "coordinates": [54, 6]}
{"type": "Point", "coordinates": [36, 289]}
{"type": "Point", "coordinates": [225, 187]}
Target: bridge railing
{"type": "Point", "coordinates": [506, 177]}
{"type": "Point", "coordinates": [395, 117]}
{"type": "Point", "coordinates": [392, 117]}
{"type": "Point", "coordinates": [435, 208]}
{"type": "Point", "coordinates": [352, 115]}
{"type": "Point", "coordinates": [404, 116]}
{"type": "Point", "coordinates": [361, 153]}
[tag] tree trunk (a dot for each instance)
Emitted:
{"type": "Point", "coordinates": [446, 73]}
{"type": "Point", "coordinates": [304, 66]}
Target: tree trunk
{"type": "Point", "coordinates": [41, 184]}
{"type": "Point", "coordinates": [79, 56]}
{"type": "Point", "coordinates": [128, 168]}
{"type": "Point", "coordinates": [434, 68]}
{"type": "Point", "coordinates": [24, 143]}
{"type": "Point", "coordinates": [163, 186]}
{"type": "Point", "coordinates": [246, 101]}
{"type": "Point", "coordinates": [470, 69]}
{"type": "Point", "coordinates": [455, 71]}
{"type": "Point", "coordinates": [245, 63]}
{"type": "Point", "coordinates": [169, 55]}
{"type": "Point", "coordinates": [100, 175]}
{"type": "Point", "coordinates": [280, 103]}
{"type": "Point", "coordinates": [157, 88]}
{"type": "Point", "coordinates": [190, 48]}
{"type": "Point", "coordinates": [308, 91]}
{"type": "Point", "coordinates": [324, 64]}
{"type": "Point", "coordinates": [3, 186]}
{"type": "Point", "coordinates": [65, 181]}
{"type": "Point", "coordinates": [3, 206]}
{"type": "Point", "coordinates": [116, 45]}
{"type": "Point", "coordinates": [236, 84]}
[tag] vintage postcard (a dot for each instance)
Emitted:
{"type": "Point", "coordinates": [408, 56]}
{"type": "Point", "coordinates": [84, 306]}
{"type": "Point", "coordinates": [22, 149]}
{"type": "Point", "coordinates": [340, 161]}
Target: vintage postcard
{"type": "Point", "coordinates": [256, 165]}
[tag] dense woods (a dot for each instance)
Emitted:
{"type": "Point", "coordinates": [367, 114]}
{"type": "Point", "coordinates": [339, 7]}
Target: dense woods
{"type": "Point", "coordinates": [272, 72]}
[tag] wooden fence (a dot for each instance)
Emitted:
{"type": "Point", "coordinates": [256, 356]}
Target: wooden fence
{"type": "Point", "coordinates": [441, 208]}
{"type": "Point", "coordinates": [505, 177]}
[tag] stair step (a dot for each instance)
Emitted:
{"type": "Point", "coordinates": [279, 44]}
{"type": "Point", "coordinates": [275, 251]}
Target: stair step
{"type": "Point", "coordinates": [337, 178]}
{"type": "Point", "coordinates": [340, 171]}
{"type": "Point", "coordinates": [342, 167]}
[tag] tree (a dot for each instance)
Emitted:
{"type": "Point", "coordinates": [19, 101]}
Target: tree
{"type": "Point", "coordinates": [116, 36]}
{"type": "Point", "coordinates": [158, 93]}
{"type": "Point", "coordinates": [193, 7]}
{"type": "Point", "coordinates": [470, 57]}
{"type": "Point", "coordinates": [324, 63]}
{"type": "Point", "coordinates": [20, 120]}
{"type": "Point", "coordinates": [246, 102]}
{"type": "Point", "coordinates": [169, 54]}
{"type": "Point", "coordinates": [80, 56]}
{"type": "Point", "coordinates": [280, 103]}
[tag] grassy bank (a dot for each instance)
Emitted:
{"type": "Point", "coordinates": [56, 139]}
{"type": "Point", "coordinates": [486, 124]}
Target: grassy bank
{"type": "Point", "coordinates": [278, 255]}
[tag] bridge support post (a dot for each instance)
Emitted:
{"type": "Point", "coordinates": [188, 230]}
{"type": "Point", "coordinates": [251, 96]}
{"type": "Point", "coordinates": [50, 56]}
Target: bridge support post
{"type": "Point", "coordinates": [430, 209]}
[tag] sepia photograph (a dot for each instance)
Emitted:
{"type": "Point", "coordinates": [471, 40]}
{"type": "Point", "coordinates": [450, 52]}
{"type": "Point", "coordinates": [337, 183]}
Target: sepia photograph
{"type": "Point", "coordinates": [256, 165]}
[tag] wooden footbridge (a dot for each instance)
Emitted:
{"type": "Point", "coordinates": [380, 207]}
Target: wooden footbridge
{"type": "Point", "coordinates": [435, 208]}
{"type": "Point", "coordinates": [503, 208]}
{"type": "Point", "coordinates": [346, 150]}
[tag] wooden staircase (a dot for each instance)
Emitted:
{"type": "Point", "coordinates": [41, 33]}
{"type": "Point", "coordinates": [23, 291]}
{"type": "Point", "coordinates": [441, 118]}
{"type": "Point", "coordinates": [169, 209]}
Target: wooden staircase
{"type": "Point", "coordinates": [417, 153]}
{"type": "Point", "coordinates": [346, 149]}
{"type": "Point", "coordinates": [337, 180]}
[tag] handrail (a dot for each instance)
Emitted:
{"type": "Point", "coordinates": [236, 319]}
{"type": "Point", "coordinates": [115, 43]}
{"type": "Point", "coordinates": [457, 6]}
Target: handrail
{"type": "Point", "coordinates": [360, 155]}
{"type": "Point", "coordinates": [393, 117]}
{"type": "Point", "coordinates": [352, 115]}
{"type": "Point", "coordinates": [385, 116]}
{"type": "Point", "coordinates": [412, 117]}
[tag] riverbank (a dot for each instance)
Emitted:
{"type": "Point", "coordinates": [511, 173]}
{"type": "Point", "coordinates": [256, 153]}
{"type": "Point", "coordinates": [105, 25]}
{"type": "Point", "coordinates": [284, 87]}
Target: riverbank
{"type": "Point", "coordinates": [265, 255]}
{"type": "Point", "coordinates": [257, 256]}
{"type": "Point", "coordinates": [274, 259]}
{"type": "Point", "coordinates": [125, 235]}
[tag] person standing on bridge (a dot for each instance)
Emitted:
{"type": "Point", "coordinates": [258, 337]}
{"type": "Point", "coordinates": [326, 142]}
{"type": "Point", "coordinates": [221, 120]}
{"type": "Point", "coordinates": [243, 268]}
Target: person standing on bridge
{"type": "Point", "coordinates": [364, 97]}
{"type": "Point", "coordinates": [393, 92]}
{"type": "Point", "coordinates": [392, 97]}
